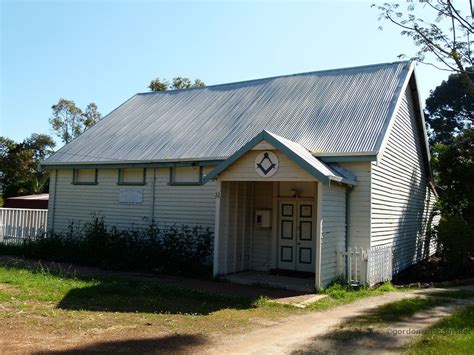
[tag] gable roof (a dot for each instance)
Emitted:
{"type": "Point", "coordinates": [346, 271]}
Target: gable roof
{"type": "Point", "coordinates": [296, 152]}
{"type": "Point", "coordinates": [333, 112]}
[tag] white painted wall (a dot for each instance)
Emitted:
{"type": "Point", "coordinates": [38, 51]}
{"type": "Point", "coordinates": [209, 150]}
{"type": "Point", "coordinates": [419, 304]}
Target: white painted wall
{"type": "Point", "coordinates": [235, 227]}
{"type": "Point", "coordinates": [244, 170]}
{"type": "Point", "coordinates": [401, 198]}
{"type": "Point", "coordinates": [359, 204]}
{"type": "Point", "coordinates": [172, 205]}
{"type": "Point", "coordinates": [261, 254]}
{"type": "Point", "coordinates": [333, 215]}
{"type": "Point", "coordinates": [79, 203]}
{"type": "Point", "coordinates": [192, 205]}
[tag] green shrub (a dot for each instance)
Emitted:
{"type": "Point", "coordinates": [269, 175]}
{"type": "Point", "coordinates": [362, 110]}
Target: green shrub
{"type": "Point", "coordinates": [456, 243]}
{"type": "Point", "coordinates": [184, 249]}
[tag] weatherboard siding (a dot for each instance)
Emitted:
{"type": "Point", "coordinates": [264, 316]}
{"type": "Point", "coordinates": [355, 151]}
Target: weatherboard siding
{"type": "Point", "coordinates": [359, 203]}
{"type": "Point", "coordinates": [333, 215]}
{"type": "Point", "coordinates": [401, 197]}
{"type": "Point", "coordinates": [80, 203]}
{"type": "Point", "coordinates": [178, 205]}
{"type": "Point", "coordinates": [173, 205]}
{"type": "Point", "coordinates": [51, 199]}
{"type": "Point", "coordinates": [261, 243]}
{"type": "Point", "coordinates": [244, 170]}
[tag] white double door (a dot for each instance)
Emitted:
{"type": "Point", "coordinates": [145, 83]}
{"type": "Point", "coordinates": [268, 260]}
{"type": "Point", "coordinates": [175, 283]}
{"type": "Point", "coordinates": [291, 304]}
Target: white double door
{"type": "Point", "coordinates": [296, 235]}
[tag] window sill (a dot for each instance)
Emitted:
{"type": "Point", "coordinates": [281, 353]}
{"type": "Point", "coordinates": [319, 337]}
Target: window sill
{"type": "Point", "coordinates": [84, 183]}
{"type": "Point", "coordinates": [184, 184]}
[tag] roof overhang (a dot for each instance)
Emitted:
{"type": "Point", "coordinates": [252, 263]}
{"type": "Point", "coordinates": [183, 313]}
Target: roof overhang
{"type": "Point", "coordinates": [296, 152]}
{"type": "Point", "coordinates": [133, 164]}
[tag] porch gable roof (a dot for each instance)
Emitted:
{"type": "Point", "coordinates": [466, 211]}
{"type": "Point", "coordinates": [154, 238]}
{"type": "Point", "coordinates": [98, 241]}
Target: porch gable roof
{"type": "Point", "coordinates": [296, 152]}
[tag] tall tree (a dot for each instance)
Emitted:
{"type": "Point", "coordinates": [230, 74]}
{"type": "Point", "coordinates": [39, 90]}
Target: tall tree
{"type": "Point", "coordinates": [158, 85]}
{"type": "Point", "coordinates": [449, 109]}
{"type": "Point", "coordinates": [177, 84]}
{"type": "Point", "coordinates": [447, 34]}
{"type": "Point", "coordinates": [91, 115]}
{"type": "Point", "coordinates": [454, 166]}
{"type": "Point", "coordinates": [69, 121]}
{"type": "Point", "coordinates": [19, 165]}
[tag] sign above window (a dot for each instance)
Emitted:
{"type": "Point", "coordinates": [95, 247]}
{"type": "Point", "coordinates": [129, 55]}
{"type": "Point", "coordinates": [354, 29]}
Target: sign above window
{"type": "Point", "coordinates": [266, 164]}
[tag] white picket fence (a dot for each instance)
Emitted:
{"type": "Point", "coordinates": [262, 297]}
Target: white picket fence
{"type": "Point", "coordinates": [17, 224]}
{"type": "Point", "coordinates": [366, 267]}
{"type": "Point", "coordinates": [380, 268]}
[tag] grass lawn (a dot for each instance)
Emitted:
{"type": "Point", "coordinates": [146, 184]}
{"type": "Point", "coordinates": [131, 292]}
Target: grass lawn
{"type": "Point", "coordinates": [339, 295]}
{"type": "Point", "coordinates": [42, 311]}
{"type": "Point", "coordinates": [38, 306]}
{"type": "Point", "coordinates": [452, 335]}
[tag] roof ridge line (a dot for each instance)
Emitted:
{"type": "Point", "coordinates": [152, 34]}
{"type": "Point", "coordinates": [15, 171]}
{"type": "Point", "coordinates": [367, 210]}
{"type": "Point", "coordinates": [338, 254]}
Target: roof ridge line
{"type": "Point", "coordinates": [275, 77]}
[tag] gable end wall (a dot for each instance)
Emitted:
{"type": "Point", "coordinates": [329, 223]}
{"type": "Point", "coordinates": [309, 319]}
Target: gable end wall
{"type": "Point", "coordinates": [401, 198]}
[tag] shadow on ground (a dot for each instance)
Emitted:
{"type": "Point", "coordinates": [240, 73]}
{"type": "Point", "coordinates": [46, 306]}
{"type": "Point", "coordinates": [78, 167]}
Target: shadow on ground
{"type": "Point", "coordinates": [173, 344]}
{"type": "Point", "coordinates": [119, 295]}
{"type": "Point", "coordinates": [368, 332]}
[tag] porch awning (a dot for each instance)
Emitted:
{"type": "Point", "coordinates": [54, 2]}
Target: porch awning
{"type": "Point", "coordinates": [322, 172]}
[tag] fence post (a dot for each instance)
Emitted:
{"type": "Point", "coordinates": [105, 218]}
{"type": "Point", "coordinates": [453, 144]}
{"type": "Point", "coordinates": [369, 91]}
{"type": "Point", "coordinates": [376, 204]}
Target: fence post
{"type": "Point", "coordinates": [363, 267]}
{"type": "Point", "coordinates": [349, 265]}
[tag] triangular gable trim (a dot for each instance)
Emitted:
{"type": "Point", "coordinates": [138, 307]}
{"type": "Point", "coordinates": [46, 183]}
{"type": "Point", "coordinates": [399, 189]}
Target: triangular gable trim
{"type": "Point", "coordinates": [286, 149]}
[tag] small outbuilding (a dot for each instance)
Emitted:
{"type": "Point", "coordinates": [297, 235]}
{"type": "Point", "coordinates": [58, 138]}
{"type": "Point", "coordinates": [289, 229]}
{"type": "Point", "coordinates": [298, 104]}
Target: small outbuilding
{"type": "Point", "coordinates": [288, 171]}
{"type": "Point", "coordinates": [38, 201]}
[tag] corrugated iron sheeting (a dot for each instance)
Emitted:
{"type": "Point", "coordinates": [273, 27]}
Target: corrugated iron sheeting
{"type": "Point", "coordinates": [334, 111]}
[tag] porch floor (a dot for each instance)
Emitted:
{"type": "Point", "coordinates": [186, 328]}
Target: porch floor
{"type": "Point", "coordinates": [266, 279]}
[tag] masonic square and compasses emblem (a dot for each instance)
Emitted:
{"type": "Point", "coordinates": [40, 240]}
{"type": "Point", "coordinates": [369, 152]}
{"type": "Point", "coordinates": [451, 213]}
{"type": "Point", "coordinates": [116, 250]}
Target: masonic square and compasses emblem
{"type": "Point", "coordinates": [266, 164]}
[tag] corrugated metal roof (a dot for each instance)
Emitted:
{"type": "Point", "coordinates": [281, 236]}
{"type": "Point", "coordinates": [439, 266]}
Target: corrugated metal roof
{"type": "Point", "coordinates": [340, 111]}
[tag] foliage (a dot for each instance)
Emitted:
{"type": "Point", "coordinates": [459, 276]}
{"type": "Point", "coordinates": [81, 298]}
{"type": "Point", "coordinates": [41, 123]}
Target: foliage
{"type": "Point", "coordinates": [158, 85]}
{"type": "Point", "coordinates": [447, 35]}
{"type": "Point", "coordinates": [175, 249]}
{"type": "Point", "coordinates": [177, 84]}
{"type": "Point", "coordinates": [91, 115]}
{"type": "Point", "coordinates": [449, 109]}
{"type": "Point", "coordinates": [69, 121]}
{"type": "Point", "coordinates": [456, 244]}
{"type": "Point", "coordinates": [19, 164]}
{"type": "Point", "coordinates": [454, 165]}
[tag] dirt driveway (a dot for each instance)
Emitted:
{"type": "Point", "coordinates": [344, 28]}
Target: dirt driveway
{"type": "Point", "coordinates": [73, 321]}
{"type": "Point", "coordinates": [308, 334]}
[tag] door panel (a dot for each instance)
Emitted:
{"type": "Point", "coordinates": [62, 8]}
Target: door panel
{"type": "Point", "coordinates": [296, 236]}
{"type": "Point", "coordinates": [305, 243]}
{"type": "Point", "coordinates": [287, 236]}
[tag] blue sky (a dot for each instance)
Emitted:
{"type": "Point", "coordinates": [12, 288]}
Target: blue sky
{"type": "Point", "coordinates": [106, 51]}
